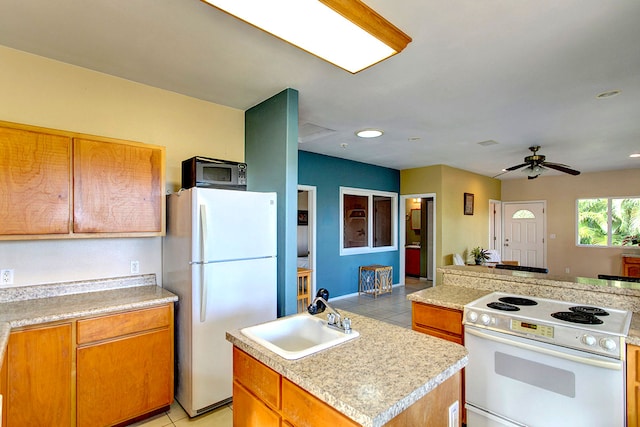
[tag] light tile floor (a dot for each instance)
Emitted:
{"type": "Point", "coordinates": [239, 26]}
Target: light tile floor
{"type": "Point", "coordinates": [390, 307]}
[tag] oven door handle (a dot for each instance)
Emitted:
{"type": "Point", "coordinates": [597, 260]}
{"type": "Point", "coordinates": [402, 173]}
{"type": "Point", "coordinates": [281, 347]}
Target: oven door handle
{"type": "Point", "coordinates": [616, 366]}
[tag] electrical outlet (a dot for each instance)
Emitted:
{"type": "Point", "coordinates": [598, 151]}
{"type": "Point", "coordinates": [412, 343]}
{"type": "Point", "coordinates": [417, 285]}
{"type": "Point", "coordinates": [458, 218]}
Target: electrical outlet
{"type": "Point", "coordinates": [454, 417]}
{"type": "Point", "coordinates": [6, 276]}
{"type": "Point", "coordinates": [135, 267]}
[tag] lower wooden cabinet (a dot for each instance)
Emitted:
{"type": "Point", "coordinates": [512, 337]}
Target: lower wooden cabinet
{"type": "Point", "coordinates": [263, 398]}
{"type": "Point", "coordinates": [119, 367]}
{"type": "Point", "coordinates": [39, 391]}
{"type": "Point", "coordinates": [440, 322]}
{"type": "Point", "coordinates": [3, 388]}
{"type": "Point", "coordinates": [633, 385]}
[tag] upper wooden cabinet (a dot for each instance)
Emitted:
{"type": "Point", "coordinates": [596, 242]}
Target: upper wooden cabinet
{"type": "Point", "coordinates": [116, 187]}
{"type": "Point", "coordinates": [59, 184]}
{"type": "Point", "coordinates": [34, 182]}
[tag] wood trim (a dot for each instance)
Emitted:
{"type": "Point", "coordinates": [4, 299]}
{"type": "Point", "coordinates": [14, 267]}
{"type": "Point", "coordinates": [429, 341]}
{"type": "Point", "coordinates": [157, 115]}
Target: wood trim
{"type": "Point", "coordinates": [370, 21]}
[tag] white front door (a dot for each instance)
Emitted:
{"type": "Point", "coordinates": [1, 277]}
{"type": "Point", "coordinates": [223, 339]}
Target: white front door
{"type": "Point", "coordinates": [524, 230]}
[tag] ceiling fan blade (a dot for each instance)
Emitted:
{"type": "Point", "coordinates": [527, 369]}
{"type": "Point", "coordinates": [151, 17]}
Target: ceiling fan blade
{"type": "Point", "coordinates": [533, 177]}
{"type": "Point", "coordinates": [562, 168]}
{"type": "Point", "coordinates": [512, 168]}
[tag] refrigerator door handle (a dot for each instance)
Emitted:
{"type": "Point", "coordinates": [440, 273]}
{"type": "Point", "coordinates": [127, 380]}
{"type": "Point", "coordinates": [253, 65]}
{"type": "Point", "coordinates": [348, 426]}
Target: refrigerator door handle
{"type": "Point", "coordinates": [203, 252]}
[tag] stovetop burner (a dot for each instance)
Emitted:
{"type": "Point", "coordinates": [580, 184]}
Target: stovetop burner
{"type": "Point", "coordinates": [518, 301]}
{"type": "Point", "coordinates": [596, 311]}
{"type": "Point", "coordinates": [503, 306]}
{"type": "Point", "coordinates": [577, 317]}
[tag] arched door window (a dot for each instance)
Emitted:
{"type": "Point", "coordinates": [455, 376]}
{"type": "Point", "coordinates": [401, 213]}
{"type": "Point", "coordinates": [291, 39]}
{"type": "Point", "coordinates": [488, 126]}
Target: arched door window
{"type": "Point", "coordinates": [523, 214]}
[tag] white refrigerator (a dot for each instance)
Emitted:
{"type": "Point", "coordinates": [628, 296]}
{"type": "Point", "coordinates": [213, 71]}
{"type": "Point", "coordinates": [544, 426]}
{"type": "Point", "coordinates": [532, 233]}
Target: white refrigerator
{"type": "Point", "coordinates": [219, 257]}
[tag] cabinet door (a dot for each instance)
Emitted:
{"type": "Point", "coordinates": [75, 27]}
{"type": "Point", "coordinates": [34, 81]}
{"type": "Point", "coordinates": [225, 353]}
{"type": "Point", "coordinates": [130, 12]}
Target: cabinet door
{"type": "Point", "coordinates": [124, 378]}
{"type": "Point", "coordinates": [302, 409]}
{"type": "Point", "coordinates": [248, 411]}
{"type": "Point", "coordinates": [34, 182]}
{"type": "Point", "coordinates": [39, 386]}
{"type": "Point", "coordinates": [117, 188]}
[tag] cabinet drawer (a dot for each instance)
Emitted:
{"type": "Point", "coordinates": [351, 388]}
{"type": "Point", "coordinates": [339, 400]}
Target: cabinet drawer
{"type": "Point", "coordinates": [115, 325]}
{"type": "Point", "coordinates": [434, 317]}
{"type": "Point", "coordinates": [259, 379]}
{"type": "Point", "coordinates": [297, 405]}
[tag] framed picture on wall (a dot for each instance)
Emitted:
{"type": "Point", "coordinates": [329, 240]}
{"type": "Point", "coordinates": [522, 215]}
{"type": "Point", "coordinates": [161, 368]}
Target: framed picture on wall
{"type": "Point", "coordinates": [468, 203]}
{"type": "Point", "coordinates": [303, 217]}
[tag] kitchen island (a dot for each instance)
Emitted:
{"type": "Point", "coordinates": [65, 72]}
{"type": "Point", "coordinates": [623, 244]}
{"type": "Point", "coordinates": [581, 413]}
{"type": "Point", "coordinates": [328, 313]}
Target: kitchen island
{"type": "Point", "coordinates": [372, 379]}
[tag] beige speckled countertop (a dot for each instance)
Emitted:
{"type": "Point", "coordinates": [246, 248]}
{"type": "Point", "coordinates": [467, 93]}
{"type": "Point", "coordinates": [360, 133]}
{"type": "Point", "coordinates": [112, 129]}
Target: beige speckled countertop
{"type": "Point", "coordinates": [372, 378]}
{"type": "Point", "coordinates": [37, 304]}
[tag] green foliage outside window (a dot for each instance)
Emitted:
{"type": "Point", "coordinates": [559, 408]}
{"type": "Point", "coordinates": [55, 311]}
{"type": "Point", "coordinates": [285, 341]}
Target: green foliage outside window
{"type": "Point", "coordinates": [608, 221]}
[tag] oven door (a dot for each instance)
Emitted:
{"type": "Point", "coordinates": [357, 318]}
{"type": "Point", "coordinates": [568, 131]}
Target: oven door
{"type": "Point", "coordinates": [514, 381]}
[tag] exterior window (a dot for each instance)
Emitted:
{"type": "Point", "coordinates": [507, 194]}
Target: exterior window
{"type": "Point", "coordinates": [608, 221]}
{"type": "Point", "coordinates": [369, 221]}
{"type": "Point", "coordinates": [523, 214]}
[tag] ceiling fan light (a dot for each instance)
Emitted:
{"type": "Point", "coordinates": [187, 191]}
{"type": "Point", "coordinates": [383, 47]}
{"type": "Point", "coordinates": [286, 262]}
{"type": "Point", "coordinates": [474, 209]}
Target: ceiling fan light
{"type": "Point", "coordinates": [533, 170]}
{"type": "Point", "coordinates": [346, 33]}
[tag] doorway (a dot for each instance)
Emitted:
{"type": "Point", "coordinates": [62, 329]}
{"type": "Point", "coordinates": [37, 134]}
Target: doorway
{"type": "Point", "coordinates": [524, 228]}
{"type": "Point", "coordinates": [306, 246]}
{"type": "Point", "coordinates": [417, 237]}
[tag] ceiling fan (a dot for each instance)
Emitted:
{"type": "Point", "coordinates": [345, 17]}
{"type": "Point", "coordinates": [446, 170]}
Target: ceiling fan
{"type": "Point", "coordinates": [535, 164]}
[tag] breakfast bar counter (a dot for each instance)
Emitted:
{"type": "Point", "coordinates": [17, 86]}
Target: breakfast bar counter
{"type": "Point", "coordinates": [370, 379]}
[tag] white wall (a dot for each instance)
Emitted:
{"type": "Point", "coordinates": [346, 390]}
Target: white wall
{"type": "Point", "coordinates": [42, 92]}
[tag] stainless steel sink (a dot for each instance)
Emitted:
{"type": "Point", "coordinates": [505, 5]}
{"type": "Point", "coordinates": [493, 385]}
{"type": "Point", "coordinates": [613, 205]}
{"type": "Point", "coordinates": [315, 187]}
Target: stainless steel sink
{"type": "Point", "coordinates": [297, 336]}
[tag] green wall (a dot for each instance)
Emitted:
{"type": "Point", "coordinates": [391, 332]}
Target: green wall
{"type": "Point", "coordinates": [271, 153]}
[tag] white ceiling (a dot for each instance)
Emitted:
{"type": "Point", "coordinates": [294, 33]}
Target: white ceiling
{"type": "Point", "coordinates": [520, 73]}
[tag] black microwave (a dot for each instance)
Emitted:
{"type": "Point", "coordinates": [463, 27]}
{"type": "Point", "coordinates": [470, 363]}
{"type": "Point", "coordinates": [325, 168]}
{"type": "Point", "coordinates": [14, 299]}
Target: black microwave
{"type": "Point", "coordinates": [214, 173]}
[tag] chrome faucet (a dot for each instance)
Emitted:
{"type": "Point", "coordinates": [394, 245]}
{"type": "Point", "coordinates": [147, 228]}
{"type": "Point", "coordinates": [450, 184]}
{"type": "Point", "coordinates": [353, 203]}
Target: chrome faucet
{"type": "Point", "coordinates": [334, 319]}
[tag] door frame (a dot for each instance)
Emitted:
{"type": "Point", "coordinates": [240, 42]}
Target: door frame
{"type": "Point", "coordinates": [402, 215]}
{"type": "Point", "coordinates": [544, 225]}
{"type": "Point", "coordinates": [312, 220]}
{"type": "Point", "coordinates": [495, 226]}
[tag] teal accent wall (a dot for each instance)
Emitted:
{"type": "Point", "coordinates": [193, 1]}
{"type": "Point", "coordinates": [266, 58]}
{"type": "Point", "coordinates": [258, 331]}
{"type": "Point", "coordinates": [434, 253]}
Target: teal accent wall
{"type": "Point", "coordinates": [339, 274]}
{"type": "Point", "coordinates": [271, 154]}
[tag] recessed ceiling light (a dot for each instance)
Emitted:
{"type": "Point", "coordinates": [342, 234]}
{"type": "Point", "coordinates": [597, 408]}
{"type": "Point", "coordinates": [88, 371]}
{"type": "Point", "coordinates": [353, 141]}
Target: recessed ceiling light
{"type": "Point", "coordinates": [369, 133]}
{"type": "Point", "coordinates": [634, 155]}
{"type": "Point", "coordinates": [608, 94]}
{"type": "Point", "coordinates": [487, 142]}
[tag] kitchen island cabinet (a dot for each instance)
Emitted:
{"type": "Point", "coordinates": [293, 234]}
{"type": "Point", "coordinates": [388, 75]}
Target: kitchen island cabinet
{"type": "Point", "coordinates": [363, 382]}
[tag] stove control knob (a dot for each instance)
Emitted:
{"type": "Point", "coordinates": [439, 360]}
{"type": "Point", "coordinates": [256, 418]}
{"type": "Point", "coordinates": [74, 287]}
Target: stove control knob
{"type": "Point", "coordinates": [608, 344]}
{"type": "Point", "coordinates": [588, 340]}
{"type": "Point", "coordinates": [472, 316]}
{"type": "Point", "coordinates": [485, 319]}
